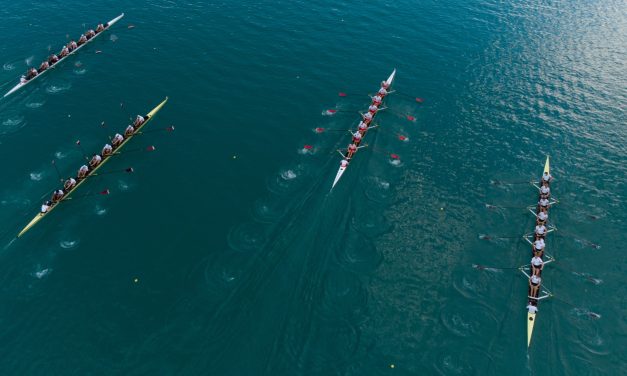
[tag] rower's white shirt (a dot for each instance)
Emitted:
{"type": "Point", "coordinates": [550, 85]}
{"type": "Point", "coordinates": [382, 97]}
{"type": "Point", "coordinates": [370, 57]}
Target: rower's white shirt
{"type": "Point", "coordinates": [118, 137]}
{"type": "Point", "coordinates": [362, 125]}
{"type": "Point", "coordinates": [540, 229]}
{"type": "Point", "coordinates": [543, 202]}
{"type": "Point", "coordinates": [373, 108]}
{"type": "Point", "coordinates": [72, 181]}
{"type": "Point", "coordinates": [532, 309]}
{"type": "Point", "coordinates": [382, 91]}
{"type": "Point", "coordinates": [44, 208]}
{"type": "Point", "coordinates": [130, 128]}
{"type": "Point", "coordinates": [545, 190]}
{"type": "Point", "coordinates": [377, 98]}
{"type": "Point", "coordinates": [538, 244]}
{"type": "Point", "coordinates": [343, 163]}
{"type": "Point", "coordinates": [97, 157]}
{"type": "Point", "coordinates": [543, 216]}
{"type": "Point", "coordinates": [83, 168]}
{"type": "Point", "coordinates": [535, 279]}
{"type": "Point", "coordinates": [537, 261]}
{"type": "Point", "coordinates": [368, 115]}
{"type": "Point", "coordinates": [546, 177]}
{"type": "Point", "coordinates": [357, 135]}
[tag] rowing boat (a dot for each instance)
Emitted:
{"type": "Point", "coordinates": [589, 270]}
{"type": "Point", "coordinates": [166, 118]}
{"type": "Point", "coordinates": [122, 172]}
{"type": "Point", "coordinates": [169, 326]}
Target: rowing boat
{"type": "Point", "coordinates": [543, 292]}
{"type": "Point", "coordinates": [22, 84]}
{"type": "Point", "coordinates": [66, 197]}
{"type": "Point", "coordinates": [342, 169]}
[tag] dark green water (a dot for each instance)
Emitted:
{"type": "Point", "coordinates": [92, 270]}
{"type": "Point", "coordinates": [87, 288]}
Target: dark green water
{"type": "Point", "coordinates": [247, 265]}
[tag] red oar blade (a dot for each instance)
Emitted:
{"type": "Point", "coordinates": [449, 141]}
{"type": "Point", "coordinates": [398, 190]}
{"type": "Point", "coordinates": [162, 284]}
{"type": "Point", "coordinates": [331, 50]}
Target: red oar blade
{"type": "Point", "coordinates": [170, 128]}
{"type": "Point", "coordinates": [411, 118]}
{"type": "Point", "coordinates": [150, 148]}
{"type": "Point", "coordinates": [129, 169]}
{"type": "Point", "coordinates": [341, 94]}
{"type": "Point", "coordinates": [419, 100]}
{"type": "Point", "coordinates": [319, 130]}
{"type": "Point", "coordinates": [105, 192]}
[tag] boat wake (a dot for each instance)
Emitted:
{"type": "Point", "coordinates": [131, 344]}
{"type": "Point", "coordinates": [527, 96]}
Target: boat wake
{"type": "Point", "coordinates": [68, 244]}
{"type": "Point", "coordinates": [36, 176]}
{"type": "Point", "coordinates": [8, 66]}
{"type": "Point", "coordinates": [12, 125]}
{"type": "Point", "coordinates": [29, 60]}
{"type": "Point", "coordinates": [40, 274]}
{"type": "Point", "coordinates": [34, 105]}
{"type": "Point", "coordinates": [80, 72]}
{"type": "Point", "coordinates": [54, 89]}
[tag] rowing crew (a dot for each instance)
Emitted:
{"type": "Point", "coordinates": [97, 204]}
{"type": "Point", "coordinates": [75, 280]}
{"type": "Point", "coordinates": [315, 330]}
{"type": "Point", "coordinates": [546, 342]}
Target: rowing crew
{"type": "Point", "coordinates": [95, 160]}
{"type": "Point", "coordinates": [65, 51]}
{"type": "Point", "coordinates": [538, 245]}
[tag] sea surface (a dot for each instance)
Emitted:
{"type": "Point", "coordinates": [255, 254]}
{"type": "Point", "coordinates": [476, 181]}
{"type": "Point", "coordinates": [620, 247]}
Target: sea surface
{"type": "Point", "coordinates": [226, 253]}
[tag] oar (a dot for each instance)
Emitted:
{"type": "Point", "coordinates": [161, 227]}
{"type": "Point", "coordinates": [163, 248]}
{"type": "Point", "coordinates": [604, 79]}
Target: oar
{"type": "Point", "coordinates": [149, 148]}
{"type": "Point", "coordinates": [502, 182]}
{"type": "Point", "coordinates": [321, 130]}
{"type": "Point", "coordinates": [167, 129]}
{"type": "Point", "coordinates": [128, 169]}
{"type": "Point", "coordinates": [103, 192]}
{"type": "Point", "coordinates": [57, 170]}
{"type": "Point", "coordinates": [417, 99]}
{"type": "Point", "coordinates": [78, 143]}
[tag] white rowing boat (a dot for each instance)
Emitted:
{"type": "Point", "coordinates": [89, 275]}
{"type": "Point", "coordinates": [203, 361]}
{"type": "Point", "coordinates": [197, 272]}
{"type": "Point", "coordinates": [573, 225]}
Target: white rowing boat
{"type": "Point", "coordinates": [342, 169]}
{"type": "Point", "coordinates": [22, 84]}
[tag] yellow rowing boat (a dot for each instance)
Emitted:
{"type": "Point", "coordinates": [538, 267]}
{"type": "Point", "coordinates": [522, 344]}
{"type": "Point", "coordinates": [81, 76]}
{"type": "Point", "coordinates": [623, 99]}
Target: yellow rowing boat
{"type": "Point", "coordinates": [40, 215]}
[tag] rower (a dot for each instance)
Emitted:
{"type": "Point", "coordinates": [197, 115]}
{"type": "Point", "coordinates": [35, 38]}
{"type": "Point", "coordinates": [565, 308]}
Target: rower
{"type": "Point", "coordinates": [532, 308]}
{"type": "Point", "coordinates": [542, 217]}
{"type": "Point", "coordinates": [139, 120]}
{"type": "Point", "coordinates": [90, 34]}
{"type": "Point", "coordinates": [64, 52]}
{"type": "Point", "coordinates": [82, 40]}
{"type": "Point", "coordinates": [367, 117]}
{"type": "Point", "coordinates": [45, 206]}
{"type": "Point", "coordinates": [343, 163]}
{"type": "Point", "coordinates": [540, 231]}
{"type": "Point", "coordinates": [545, 190]}
{"type": "Point", "coordinates": [373, 109]}
{"type": "Point", "coordinates": [72, 46]}
{"type": "Point", "coordinates": [43, 66]}
{"type": "Point", "coordinates": [382, 92]}
{"type": "Point", "coordinates": [53, 59]}
{"type": "Point", "coordinates": [538, 247]}
{"type": "Point", "coordinates": [95, 160]}
{"type": "Point", "coordinates": [99, 28]}
{"type": "Point", "coordinates": [117, 140]}
{"type": "Point", "coordinates": [356, 138]}
{"type": "Point", "coordinates": [362, 128]}
{"type": "Point", "coordinates": [544, 204]}
{"type": "Point", "coordinates": [352, 149]}
{"type": "Point", "coordinates": [384, 84]}
{"type": "Point", "coordinates": [376, 100]}
{"type": "Point", "coordinates": [534, 286]}
{"type": "Point", "coordinates": [129, 131]}
{"type": "Point", "coordinates": [107, 150]}
{"type": "Point", "coordinates": [546, 177]}
{"type": "Point", "coordinates": [23, 79]}
{"type": "Point", "coordinates": [57, 195]}
{"type": "Point", "coordinates": [69, 184]}
{"type": "Point", "coordinates": [536, 265]}
{"type": "Point", "coordinates": [82, 172]}
{"type": "Point", "coordinates": [32, 72]}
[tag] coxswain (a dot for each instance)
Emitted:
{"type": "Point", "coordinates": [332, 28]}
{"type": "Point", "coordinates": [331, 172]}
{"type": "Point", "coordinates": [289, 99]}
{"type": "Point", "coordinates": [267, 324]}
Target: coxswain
{"type": "Point", "coordinates": [376, 100]}
{"type": "Point", "coordinates": [129, 131]}
{"type": "Point", "coordinates": [544, 204]}
{"type": "Point", "coordinates": [532, 308]}
{"type": "Point", "coordinates": [32, 72]}
{"type": "Point", "coordinates": [99, 28]}
{"type": "Point", "coordinates": [536, 265]}
{"type": "Point", "coordinates": [382, 92]}
{"type": "Point", "coordinates": [57, 195]}
{"type": "Point", "coordinates": [95, 160]}
{"type": "Point", "coordinates": [107, 150]}
{"type": "Point", "coordinates": [45, 206]}
{"type": "Point", "coordinates": [344, 163]}
{"type": "Point", "coordinates": [538, 247]}
{"type": "Point", "coordinates": [373, 109]}
{"type": "Point", "coordinates": [23, 79]}
{"type": "Point", "coordinates": [53, 59]}
{"type": "Point", "coordinates": [540, 231]}
{"type": "Point", "coordinates": [64, 52]}
{"type": "Point", "coordinates": [117, 140]}
{"type": "Point", "coordinates": [362, 128]}
{"type": "Point", "coordinates": [69, 184]}
{"type": "Point", "coordinates": [352, 148]}
{"type": "Point", "coordinates": [72, 46]}
{"type": "Point", "coordinates": [534, 285]}
{"type": "Point", "coordinates": [43, 66]}
{"type": "Point", "coordinates": [385, 85]}
{"type": "Point", "coordinates": [357, 138]}
{"type": "Point", "coordinates": [82, 172]}
{"type": "Point", "coordinates": [546, 178]}
{"type": "Point", "coordinates": [139, 120]}
{"type": "Point", "coordinates": [90, 34]}
{"type": "Point", "coordinates": [367, 117]}
{"type": "Point", "coordinates": [542, 217]}
{"type": "Point", "coordinates": [82, 40]}
{"type": "Point", "coordinates": [545, 191]}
